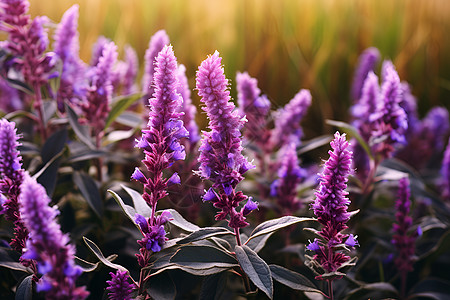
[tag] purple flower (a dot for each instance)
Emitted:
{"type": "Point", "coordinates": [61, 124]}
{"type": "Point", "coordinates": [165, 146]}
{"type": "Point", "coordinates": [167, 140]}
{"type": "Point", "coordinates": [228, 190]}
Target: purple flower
{"type": "Point", "coordinates": [390, 119]}
{"type": "Point", "coordinates": [118, 287]}
{"type": "Point", "coordinates": [156, 44]}
{"type": "Point", "coordinates": [48, 245]}
{"type": "Point", "coordinates": [436, 127]}
{"type": "Point", "coordinates": [9, 98]}
{"type": "Point", "coordinates": [351, 241]}
{"type": "Point", "coordinates": [221, 160]}
{"type": "Point", "coordinates": [287, 120]}
{"type": "Point", "coordinates": [97, 50]}
{"type": "Point", "coordinates": [12, 176]}
{"type": "Point", "coordinates": [445, 173]}
{"type": "Point", "coordinates": [313, 246]}
{"type": "Point", "coordinates": [249, 206]}
{"type": "Point", "coordinates": [14, 13]}
{"type": "Point", "coordinates": [254, 106]}
{"type": "Point", "coordinates": [289, 177]}
{"type": "Point", "coordinates": [366, 63]}
{"type": "Point", "coordinates": [188, 108]}
{"type": "Point", "coordinates": [403, 241]}
{"type": "Point", "coordinates": [66, 46]}
{"type": "Point", "coordinates": [331, 205]}
{"type": "Point", "coordinates": [154, 235]}
{"type": "Point", "coordinates": [409, 104]}
{"type": "Point", "coordinates": [131, 70]}
{"type": "Point", "coordinates": [96, 108]}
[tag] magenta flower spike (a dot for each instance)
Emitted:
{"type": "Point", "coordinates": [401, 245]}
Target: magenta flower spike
{"type": "Point", "coordinates": [118, 287]}
{"type": "Point", "coordinates": [72, 85]}
{"type": "Point", "coordinates": [14, 13]}
{"type": "Point", "coordinates": [97, 50]}
{"type": "Point", "coordinates": [99, 95]}
{"type": "Point", "coordinates": [131, 71]}
{"type": "Point", "coordinates": [156, 44]}
{"type": "Point", "coordinates": [287, 120]}
{"type": "Point", "coordinates": [290, 175]}
{"type": "Point", "coordinates": [366, 63]}
{"type": "Point", "coordinates": [161, 144]}
{"type": "Point", "coordinates": [221, 160]}
{"type": "Point", "coordinates": [445, 173]}
{"type": "Point", "coordinates": [390, 119]}
{"type": "Point", "coordinates": [331, 206]}
{"type": "Point", "coordinates": [48, 246]}
{"type": "Point", "coordinates": [12, 176]}
{"type": "Point", "coordinates": [255, 107]}
{"type": "Point", "coordinates": [187, 107]}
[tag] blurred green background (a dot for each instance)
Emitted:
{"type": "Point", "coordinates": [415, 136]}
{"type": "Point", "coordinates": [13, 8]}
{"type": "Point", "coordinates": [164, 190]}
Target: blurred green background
{"type": "Point", "coordinates": [285, 44]}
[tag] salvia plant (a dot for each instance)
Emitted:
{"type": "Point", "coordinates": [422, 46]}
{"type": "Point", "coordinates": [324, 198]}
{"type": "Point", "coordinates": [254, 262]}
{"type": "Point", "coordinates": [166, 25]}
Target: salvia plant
{"type": "Point", "coordinates": [110, 189]}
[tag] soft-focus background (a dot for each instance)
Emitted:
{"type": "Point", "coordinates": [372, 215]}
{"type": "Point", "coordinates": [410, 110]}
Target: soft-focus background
{"type": "Point", "coordinates": [285, 44]}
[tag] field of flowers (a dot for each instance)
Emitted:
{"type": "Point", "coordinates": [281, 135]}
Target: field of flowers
{"type": "Point", "coordinates": [117, 185]}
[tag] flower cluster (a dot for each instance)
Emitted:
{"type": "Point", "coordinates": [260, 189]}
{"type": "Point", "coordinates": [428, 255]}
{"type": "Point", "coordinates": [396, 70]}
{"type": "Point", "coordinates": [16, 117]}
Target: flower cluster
{"type": "Point", "coordinates": [47, 245]}
{"type": "Point", "coordinates": [330, 207]}
{"type": "Point", "coordinates": [287, 120]}
{"type": "Point", "coordinates": [221, 160]}
{"type": "Point", "coordinates": [367, 62]}
{"type": "Point", "coordinates": [118, 287]}
{"type": "Point", "coordinates": [445, 173]}
{"type": "Point", "coordinates": [12, 176]}
{"type": "Point", "coordinates": [72, 85]}
{"type": "Point", "coordinates": [154, 234]}
{"type": "Point", "coordinates": [289, 176]}
{"type": "Point", "coordinates": [156, 44]}
{"type": "Point", "coordinates": [254, 107]}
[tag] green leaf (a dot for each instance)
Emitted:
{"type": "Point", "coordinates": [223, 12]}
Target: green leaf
{"type": "Point", "coordinates": [256, 268]}
{"type": "Point", "coordinates": [85, 265]}
{"type": "Point", "coordinates": [161, 287]}
{"type": "Point", "coordinates": [86, 155]}
{"type": "Point", "coordinates": [25, 289]}
{"type": "Point", "coordinates": [21, 86]}
{"type": "Point", "coordinates": [293, 279]}
{"type": "Point", "coordinates": [128, 210]}
{"type": "Point", "coordinates": [139, 203]}
{"type": "Point", "coordinates": [203, 257]}
{"type": "Point", "coordinates": [351, 132]}
{"type": "Point", "coordinates": [180, 222]}
{"type": "Point", "coordinates": [77, 128]}
{"type": "Point", "coordinates": [213, 286]}
{"type": "Point", "coordinates": [275, 224]}
{"type": "Point", "coordinates": [130, 119]}
{"type": "Point", "coordinates": [257, 243]}
{"type": "Point", "coordinates": [204, 233]}
{"type": "Point", "coordinates": [97, 252]}
{"type": "Point", "coordinates": [49, 110]}
{"type": "Point", "coordinates": [314, 143]}
{"type": "Point", "coordinates": [13, 265]}
{"type": "Point", "coordinates": [378, 290]}
{"type": "Point", "coordinates": [90, 192]}
{"type": "Point", "coordinates": [193, 271]}
{"type": "Point", "coordinates": [119, 106]}
{"type": "Point", "coordinates": [119, 135]}
{"type": "Point", "coordinates": [20, 114]}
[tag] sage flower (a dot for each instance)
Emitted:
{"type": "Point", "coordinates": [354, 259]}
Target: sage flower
{"type": "Point", "coordinates": [118, 287]}
{"type": "Point", "coordinates": [366, 63]}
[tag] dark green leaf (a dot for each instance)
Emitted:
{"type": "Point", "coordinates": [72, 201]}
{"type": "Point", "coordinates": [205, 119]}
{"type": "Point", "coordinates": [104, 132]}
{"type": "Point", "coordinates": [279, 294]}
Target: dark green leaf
{"type": "Point", "coordinates": [14, 266]}
{"type": "Point", "coordinates": [77, 128]}
{"type": "Point", "coordinates": [314, 143]}
{"type": "Point", "coordinates": [293, 279]}
{"type": "Point", "coordinates": [20, 114]}
{"type": "Point", "coordinates": [119, 135]}
{"type": "Point", "coordinates": [275, 224]}
{"type": "Point", "coordinates": [25, 289]}
{"type": "Point", "coordinates": [180, 222]}
{"type": "Point", "coordinates": [378, 290]}
{"type": "Point", "coordinates": [49, 110]}
{"type": "Point", "coordinates": [119, 106]}
{"type": "Point", "coordinates": [90, 192]}
{"type": "Point", "coordinates": [257, 243]}
{"type": "Point", "coordinates": [128, 210]}
{"type": "Point", "coordinates": [204, 233]}
{"type": "Point", "coordinates": [130, 119]}
{"type": "Point", "coordinates": [256, 269]}
{"type": "Point", "coordinates": [203, 257]}
{"type": "Point", "coordinates": [430, 295]}
{"type": "Point", "coordinates": [86, 155]}
{"type": "Point", "coordinates": [94, 248]}
{"type": "Point", "coordinates": [21, 86]}
{"type": "Point", "coordinates": [213, 286]}
{"type": "Point", "coordinates": [193, 271]}
{"type": "Point", "coordinates": [139, 203]}
{"type": "Point", "coordinates": [161, 287]}
{"type": "Point", "coordinates": [351, 132]}
{"type": "Point", "coordinates": [85, 265]}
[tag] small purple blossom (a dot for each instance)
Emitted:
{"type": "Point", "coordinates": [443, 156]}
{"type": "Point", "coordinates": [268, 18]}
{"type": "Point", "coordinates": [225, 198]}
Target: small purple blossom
{"type": "Point", "coordinates": [287, 120]}
{"type": "Point", "coordinates": [249, 206]}
{"type": "Point", "coordinates": [351, 241]}
{"type": "Point", "coordinates": [156, 44]}
{"type": "Point", "coordinates": [48, 245]}
{"type": "Point", "coordinates": [445, 173]}
{"type": "Point", "coordinates": [154, 235]}
{"type": "Point", "coordinates": [118, 287]}
{"type": "Point", "coordinates": [313, 246]}
{"type": "Point", "coordinates": [97, 50]}
{"type": "Point", "coordinates": [366, 63]}
{"type": "Point", "coordinates": [221, 160]}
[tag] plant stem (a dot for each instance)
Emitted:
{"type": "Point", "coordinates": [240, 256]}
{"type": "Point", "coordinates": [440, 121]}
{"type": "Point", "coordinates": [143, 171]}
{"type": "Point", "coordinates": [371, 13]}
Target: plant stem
{"type": "Point", "coordinates": [38, 107]}
{"type": "Point", "coordinates": [244, 275]}
{"type": "Point", "coordinates": [330, 289]}
{"type": "Point", "coordinates": [99, 162]}
{"type": "Point", "coordinates": [403, 285]}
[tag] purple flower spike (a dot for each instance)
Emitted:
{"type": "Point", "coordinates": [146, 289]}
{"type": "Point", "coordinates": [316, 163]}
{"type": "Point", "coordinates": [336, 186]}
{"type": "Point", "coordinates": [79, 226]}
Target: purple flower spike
{"type": "Point", "coordinates": [49, 246]}
{"type": "Point", "coordinates": [366, 63]}
{"type": "Point", "coordinates": [390, 119]}
{"type": "Point", "coordinates": [221, 160]}
{"type": "Point", "coordinates": [254, 106]}
{"type": "Point", "coordinates": [72, 86]}
{"type": "Point", "coordinates": [188, 108]}
{"type": "Point", "coordinates": [331, 205]}
{"type": "Point", "coordinates": [14, 13]}
{"type": "Point", "coordinates": [445, 173]}
{"type": "Point", "coordinates": [97, 107]}
{"type": "Point", "coordinates": [97, 50]}
{"type": "Point", "coordinates": [156, 44]}
{"type": "Point", "coordinates": [287, 120]}
{"type": "Point", "coordinates": [290, 175]}
{"type": "Point", "coordinates": [118, 287]}
{"type": "Point", "coordinates": [11, 177]}
{"type": "Point", "coordinates": [131, 71]}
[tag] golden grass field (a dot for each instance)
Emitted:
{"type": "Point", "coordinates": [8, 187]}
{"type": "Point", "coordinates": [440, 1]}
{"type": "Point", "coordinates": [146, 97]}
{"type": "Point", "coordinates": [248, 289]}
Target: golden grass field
{"type": "Point", "coordinates": [286, 44]}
